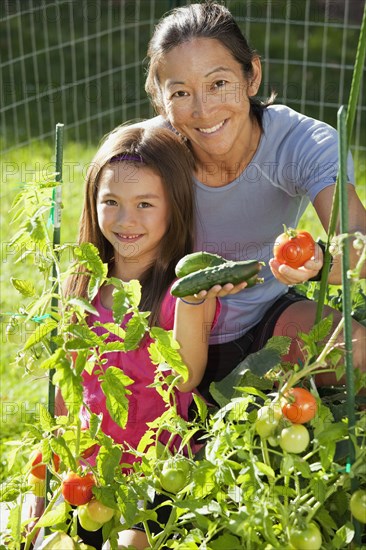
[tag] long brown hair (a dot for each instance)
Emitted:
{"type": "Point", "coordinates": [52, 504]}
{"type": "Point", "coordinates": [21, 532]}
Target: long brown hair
{"type": "Point", "coordinates": [206, 20]}
{"type": "Point", "coordinates": [166, 154]}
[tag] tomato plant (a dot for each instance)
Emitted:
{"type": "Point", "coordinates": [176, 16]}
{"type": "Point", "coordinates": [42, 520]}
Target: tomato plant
{"type": "Point", "coordinates": [294, 248]}
{"type": "Point", "coordinates": [98, 511]}
{"type": "Point", "coordinates": [39, 468]}
{"type": "Point", "coordinates": [77, 489]}
{"type": "Point", "coordinates": [358, 505]}
{"type": "Point", "coordinates": [294, 439]}
{"type": "Point", "coordinates": [308, 538]}
{"type": "Point", "coordinates": [299, 405]}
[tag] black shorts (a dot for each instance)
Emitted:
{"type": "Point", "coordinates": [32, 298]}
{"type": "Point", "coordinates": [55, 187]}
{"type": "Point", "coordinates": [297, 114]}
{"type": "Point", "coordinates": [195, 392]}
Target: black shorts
{"type": "Point", "coordinates": [223, 358]}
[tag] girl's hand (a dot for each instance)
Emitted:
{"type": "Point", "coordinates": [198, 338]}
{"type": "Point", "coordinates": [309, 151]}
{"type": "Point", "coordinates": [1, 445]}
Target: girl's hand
{"type": "Point", "coordinates": [290, 276]}
{"type": "Point", "coordinates": [216, 291]}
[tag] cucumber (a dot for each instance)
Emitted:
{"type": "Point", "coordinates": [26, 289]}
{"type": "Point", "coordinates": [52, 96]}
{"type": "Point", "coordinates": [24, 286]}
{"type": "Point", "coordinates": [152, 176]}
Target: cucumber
{"type": "Point", "coordinates": [196, 261]}
{"type": "Point", "coordinates": [204, 279]}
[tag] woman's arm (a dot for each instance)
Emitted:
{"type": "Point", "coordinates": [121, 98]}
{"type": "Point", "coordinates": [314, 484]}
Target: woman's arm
{"type": "Point", "coordinates": [356, 222]}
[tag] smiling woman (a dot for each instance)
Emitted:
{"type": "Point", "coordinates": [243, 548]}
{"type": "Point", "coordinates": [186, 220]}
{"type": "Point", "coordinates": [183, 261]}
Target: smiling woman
{"type": "Point", "coordinates": [257, 167]}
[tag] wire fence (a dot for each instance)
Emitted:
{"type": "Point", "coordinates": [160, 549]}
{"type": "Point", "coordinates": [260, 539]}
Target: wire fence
{"type": "Point", "coordinates": [81, 62]}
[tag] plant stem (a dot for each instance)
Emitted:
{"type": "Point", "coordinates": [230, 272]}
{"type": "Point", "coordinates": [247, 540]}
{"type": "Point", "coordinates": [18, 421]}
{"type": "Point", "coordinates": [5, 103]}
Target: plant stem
{"type": "Point", "coordinates": [33, 532]}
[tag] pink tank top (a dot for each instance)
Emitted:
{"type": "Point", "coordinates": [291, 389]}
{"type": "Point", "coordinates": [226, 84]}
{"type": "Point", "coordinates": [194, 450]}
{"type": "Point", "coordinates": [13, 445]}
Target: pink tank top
{"type": "Point", "coordinates": [145, 403]}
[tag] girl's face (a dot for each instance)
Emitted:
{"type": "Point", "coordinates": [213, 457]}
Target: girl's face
{"type": "Point", "coordinates": [206, 96]}
{"type": "Point", "coordinates": [133, 214]}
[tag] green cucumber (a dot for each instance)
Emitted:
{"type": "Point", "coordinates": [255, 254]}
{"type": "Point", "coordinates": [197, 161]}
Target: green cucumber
{"type": "Point", "coordinates": [204, 279]}
{"type": "Point", "coordinates": [196, 261]}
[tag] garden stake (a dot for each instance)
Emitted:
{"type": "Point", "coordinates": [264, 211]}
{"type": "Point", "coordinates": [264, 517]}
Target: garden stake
{"type": "Point", "coordinates": [351, 111]}
{"type": "Point", "coordinates": [56, 220]}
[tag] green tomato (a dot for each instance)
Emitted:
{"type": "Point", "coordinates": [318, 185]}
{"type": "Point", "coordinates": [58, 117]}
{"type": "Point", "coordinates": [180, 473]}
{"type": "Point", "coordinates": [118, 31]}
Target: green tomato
{"type": "Point", "coordinates": [38, 486]}
{"type": "Point", "coordinates": [267, 420]}
{"type": "Point", "coordinates": [98, 512]}
{"type": "Point", "coordinates": [86, 521]}
{"type": "Point", "coordinates": [173, 479]}
{"type": "Point", "coordinates": [294, 439]}
{"type": "Point", "coordinates": [309, 538]}
{"type": "Point", "coordinates": [358, 505]}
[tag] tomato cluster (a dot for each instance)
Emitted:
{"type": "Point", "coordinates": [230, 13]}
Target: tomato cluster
{"type": "Point", "coordinates": [297, 406]}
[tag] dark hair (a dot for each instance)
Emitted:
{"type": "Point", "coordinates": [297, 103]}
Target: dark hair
{"type": "Point", "coordinates": [166, 154]}
{"type": "Point", "coordinates": [206, 20]}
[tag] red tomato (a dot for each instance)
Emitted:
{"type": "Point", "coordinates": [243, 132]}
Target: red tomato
{"type": "Point", "coordinates": [77, 489]}
{"type": "Point", "coordinates": [89, 451]}
{"type": "Point", "coordinates": [40, 471]}
{"type": "Point", "coordinates": [299, 405]}
{"type": "Point", "coordinates": [294, 248]}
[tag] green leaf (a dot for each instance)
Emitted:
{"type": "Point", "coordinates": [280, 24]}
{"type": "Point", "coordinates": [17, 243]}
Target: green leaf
{"type": "Point", "coordinates": [61, 448]}
{"type": "Point", "coordinates": [120, 305]}
{"type": "Point", "coordinates": [60, 514]}
{"type": "Point", "coordinates": [25, 288]}
{"type": "Point", "coordinates": [281, 344]}
{"type": "Point", "coordinates": [10, 490]}
{"type": "Point", "coordinates": [41, 332]}
{"type": "Point", "coordinates": [302, 466]}
{"type": "Point", "coordinates": [127, 503]}
{"type": "Point", "coordinates": [258, 364]}
{"type": "Point", "coordinates": [47, 422]}
{"type": "Point", "coordinates": [344, 536]}
{"type": "Point", "coordinates": [225, 542]}
{"type": "Point", "coordinates": [165, 350]}
{"type": "Point", "coordinates": [265, 469]}
{"type": "Point", "coordinates": [114, 386]}
{"type": "Point", "coordinates": [107, 461]}
{"type": "Point", "coordinates": [319, 489]}
{"type": "Point", "coordinates": [135, 330]}
{"type": "Point", "coordinates": [14, 523]}
{"type": "Point", "coordinates": [69, 381]}
{"type": "Point", "coordinates": [201, 407]}
{"type": "Point", "coordinates": [83, 304]}
{"type": "Point", "coordinates": [321, 330]}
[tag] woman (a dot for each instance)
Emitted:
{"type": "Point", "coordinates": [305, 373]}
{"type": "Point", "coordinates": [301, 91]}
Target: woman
{"type": "Point", "coordinates": [257, 166]}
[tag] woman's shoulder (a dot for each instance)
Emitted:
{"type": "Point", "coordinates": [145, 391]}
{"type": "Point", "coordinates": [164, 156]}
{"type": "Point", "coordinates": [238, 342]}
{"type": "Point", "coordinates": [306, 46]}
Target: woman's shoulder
{"type": "Point", "coordinates": [283, 117]}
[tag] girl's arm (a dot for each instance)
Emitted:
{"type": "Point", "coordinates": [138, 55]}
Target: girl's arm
{"type": "Point", "coordinates": [192, 327]}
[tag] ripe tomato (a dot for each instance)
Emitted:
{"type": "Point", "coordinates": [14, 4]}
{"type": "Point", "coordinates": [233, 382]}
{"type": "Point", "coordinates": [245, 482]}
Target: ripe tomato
{"type": "Point", "coordinates": [98, 512]}
{"type": "Point", "coordinates": [77, 489]}
{"type": "Point", "coordinates": [299, 405]}
{"type": "Point", "coordinates": [38, 486]}
{"type": "Point", "coordinates": [309, 538]}
{"type": "Point", "coordinates": [40, 471]}
{"type": "Point", "coordinates": [267, 420]}
{"type": "Point", "coordinates": [294, 439]}
{"type": "Point", "coordinates": [86, 521]}
{"type": "Point", "coordinates": [294, 248]}
{"type": "Point", "coordinates": [89, 451]}
{"type": "Point", "coordinates": [358, 505]}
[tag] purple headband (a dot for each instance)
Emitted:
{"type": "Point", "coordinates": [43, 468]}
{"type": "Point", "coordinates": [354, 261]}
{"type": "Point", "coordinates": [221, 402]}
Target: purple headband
{"type": "Point", "coordinates": [128, 157]}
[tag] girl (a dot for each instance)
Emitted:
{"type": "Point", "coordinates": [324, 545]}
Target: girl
{"type": "Point", "coordinates": [139, 212]}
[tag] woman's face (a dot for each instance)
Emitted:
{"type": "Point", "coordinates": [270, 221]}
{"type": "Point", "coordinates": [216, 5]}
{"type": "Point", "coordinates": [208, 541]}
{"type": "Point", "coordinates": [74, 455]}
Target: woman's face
{"type": "Point", "coordinates": [206, 97]}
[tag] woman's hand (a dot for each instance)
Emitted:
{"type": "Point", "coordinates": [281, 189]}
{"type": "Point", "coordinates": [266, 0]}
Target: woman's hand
{"type": "Point", "coordinates": [290, 276]}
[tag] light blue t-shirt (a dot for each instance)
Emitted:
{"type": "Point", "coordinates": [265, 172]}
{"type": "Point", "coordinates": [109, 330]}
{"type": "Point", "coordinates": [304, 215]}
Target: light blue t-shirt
{"type": "Point", "coordinates": [296, 158]}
